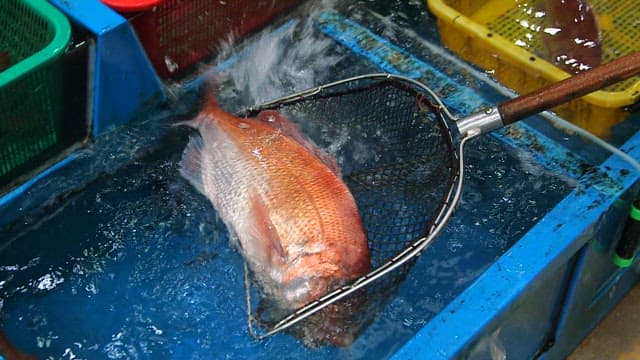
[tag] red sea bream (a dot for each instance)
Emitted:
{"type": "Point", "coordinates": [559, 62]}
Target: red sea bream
{"type": "Point", "coordinates": [285, 205]}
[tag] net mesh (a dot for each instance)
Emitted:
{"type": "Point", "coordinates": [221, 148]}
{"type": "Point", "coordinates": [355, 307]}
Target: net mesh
{"type": "Point", "coordinates": [396, 155]}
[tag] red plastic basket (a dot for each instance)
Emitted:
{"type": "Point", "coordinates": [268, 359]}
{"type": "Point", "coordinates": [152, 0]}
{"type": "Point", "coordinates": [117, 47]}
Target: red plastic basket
{"type": "Point", "coordinates": [177, 34]}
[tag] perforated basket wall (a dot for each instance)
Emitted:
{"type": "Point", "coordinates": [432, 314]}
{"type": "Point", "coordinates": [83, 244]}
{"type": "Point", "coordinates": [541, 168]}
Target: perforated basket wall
{"type": "Point", "coordinates": [33, 34]}
{"type": "Point", "coordinates": [179, 33]}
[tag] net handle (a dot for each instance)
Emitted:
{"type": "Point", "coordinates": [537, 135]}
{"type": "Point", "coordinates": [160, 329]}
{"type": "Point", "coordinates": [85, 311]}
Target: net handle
{"type": "Point", "coordinates": [570, 88]}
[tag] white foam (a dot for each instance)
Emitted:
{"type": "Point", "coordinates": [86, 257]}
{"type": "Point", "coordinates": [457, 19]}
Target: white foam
{"type": "Point", "coordinates": [280, 62]}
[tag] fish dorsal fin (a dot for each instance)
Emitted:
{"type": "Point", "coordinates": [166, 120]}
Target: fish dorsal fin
{"type": "Point", "coordinates": [190, 165]}
{"type": "Point", "coordinates": [265, 233]}
{"type": "Point", "coordinates": [278, 121]}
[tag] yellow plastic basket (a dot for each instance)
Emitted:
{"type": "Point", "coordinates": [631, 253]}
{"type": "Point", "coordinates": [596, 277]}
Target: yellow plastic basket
{"type": "Point", "coordinates": [490, 34]}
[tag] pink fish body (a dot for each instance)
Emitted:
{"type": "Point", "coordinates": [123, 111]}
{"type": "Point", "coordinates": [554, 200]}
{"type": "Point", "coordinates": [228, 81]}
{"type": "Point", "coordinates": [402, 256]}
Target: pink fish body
{"type": "Point", "coordinates": [571, 35]}
{"type": "Point", "coordinates": [282, 198]}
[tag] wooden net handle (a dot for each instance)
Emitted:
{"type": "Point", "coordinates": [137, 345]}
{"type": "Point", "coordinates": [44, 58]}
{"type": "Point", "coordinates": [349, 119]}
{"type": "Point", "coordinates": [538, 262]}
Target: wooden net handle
{"type": "Point", "coordinates": [570, 88]}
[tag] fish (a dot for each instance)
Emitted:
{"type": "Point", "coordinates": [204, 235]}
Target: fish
{"type": "Point", "coordinates": [571, 35]}
{"type": "Point", "coordinates": [287, 209]}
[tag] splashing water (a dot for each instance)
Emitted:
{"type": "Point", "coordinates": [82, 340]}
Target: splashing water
{"type": "Point", "coordinates": [293, 57]}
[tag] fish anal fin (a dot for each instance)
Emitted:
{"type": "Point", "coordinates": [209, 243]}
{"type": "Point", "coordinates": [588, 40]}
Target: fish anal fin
{"type": "Point", "coordinates": [278, 121]}
{"type": "Point", "coordinates": [265, 231]}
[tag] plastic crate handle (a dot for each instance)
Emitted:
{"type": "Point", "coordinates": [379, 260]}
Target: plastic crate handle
{"type": "Point", "coordinates": [570, 88]}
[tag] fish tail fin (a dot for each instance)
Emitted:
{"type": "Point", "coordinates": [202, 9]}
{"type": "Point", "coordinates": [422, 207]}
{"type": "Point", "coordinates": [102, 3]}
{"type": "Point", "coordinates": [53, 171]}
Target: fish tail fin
{"type": "Point", "coordinates": [210, 105]}
{"type": "Point", "coordinates": [211, 91]}
{"type": "Point", "coordinates": [211, 109]}
{"type": "Point", "coordinates": [212, 99]}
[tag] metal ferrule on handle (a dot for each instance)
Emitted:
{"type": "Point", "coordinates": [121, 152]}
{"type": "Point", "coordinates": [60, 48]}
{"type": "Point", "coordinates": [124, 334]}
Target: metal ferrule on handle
{"type": "Point", "coordinates": [480, 123]}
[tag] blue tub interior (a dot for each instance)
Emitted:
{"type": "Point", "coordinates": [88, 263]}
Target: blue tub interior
{"type": "Point", "coordinates": [129, 261]}
{"type": "Point", "coordinates": [137, 262]}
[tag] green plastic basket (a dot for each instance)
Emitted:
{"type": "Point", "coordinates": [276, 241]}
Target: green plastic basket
{"type": "Point", "coordinates": [33, 35]}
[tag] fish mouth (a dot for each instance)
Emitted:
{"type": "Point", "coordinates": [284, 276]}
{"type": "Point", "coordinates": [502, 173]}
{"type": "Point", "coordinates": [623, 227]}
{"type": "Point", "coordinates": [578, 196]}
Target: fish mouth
{"type": "Point", "coordinates": [338, 325]}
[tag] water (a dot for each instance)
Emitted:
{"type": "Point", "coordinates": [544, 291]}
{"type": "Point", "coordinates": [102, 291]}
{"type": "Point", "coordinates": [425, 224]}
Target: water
{"type": "Point", "coordinates": [293, 58]}
{"type": "Point", "coordinates": [136, 264]}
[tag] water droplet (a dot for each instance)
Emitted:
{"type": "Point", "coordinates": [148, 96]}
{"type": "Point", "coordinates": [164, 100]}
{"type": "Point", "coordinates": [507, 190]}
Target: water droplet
{"type": "Point", "coordinates": [172, 66]}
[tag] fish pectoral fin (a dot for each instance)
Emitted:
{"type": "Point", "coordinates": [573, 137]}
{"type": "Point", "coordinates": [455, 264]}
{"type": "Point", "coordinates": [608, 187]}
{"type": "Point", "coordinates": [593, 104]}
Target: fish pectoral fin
{"type": "Point", "coordinates": [265, 233]}
{"type": "Point", "coordinates": [190, 165]}
{"type": "Point", "coordinates": [277, 121]}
